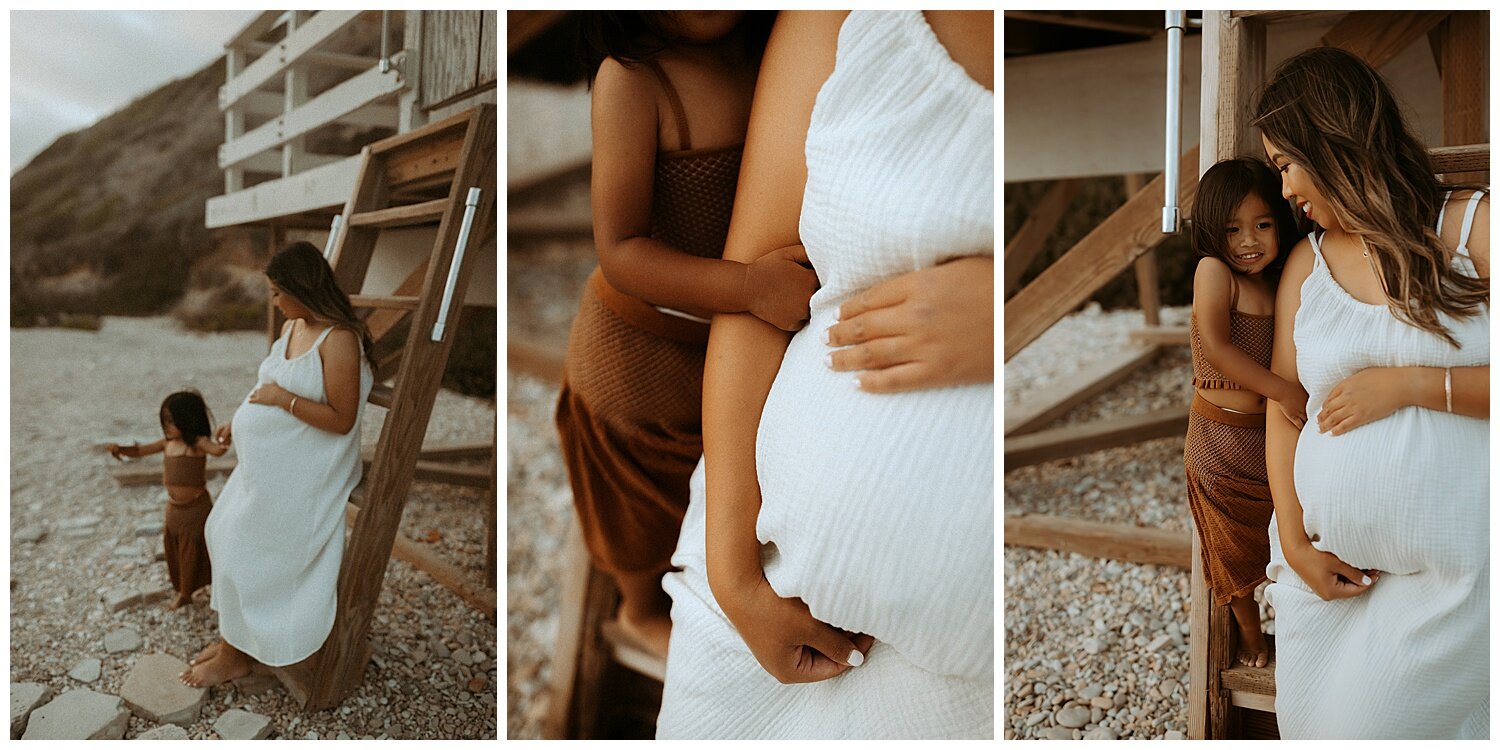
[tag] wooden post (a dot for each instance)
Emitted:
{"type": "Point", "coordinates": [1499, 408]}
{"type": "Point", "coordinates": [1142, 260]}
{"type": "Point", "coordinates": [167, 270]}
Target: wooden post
{"type": "Point", "coordinates": [234, 119]}
{"type": "Point", "coordinates": [1147, 275]}
{"type": "Point", "coordinates": [294, 151]}
{"type": "Point", "coordinates": [274, 319]}
{"type": "Point", "coordinates": [412, 115]}
{"type": "Point", "coordinates": [1465, 81]}
{"type": "Point", "coordinates": [1027, 242]}
{"type": "Point", "coordinates": [490, 537]}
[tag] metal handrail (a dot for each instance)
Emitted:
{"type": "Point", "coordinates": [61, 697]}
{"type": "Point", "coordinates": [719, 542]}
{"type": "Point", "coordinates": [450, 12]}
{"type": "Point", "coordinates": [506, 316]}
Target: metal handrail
{"type": "Point", "coordinates": [471, 203]}
{"type": "Point", "coordinates": [1169, 212]}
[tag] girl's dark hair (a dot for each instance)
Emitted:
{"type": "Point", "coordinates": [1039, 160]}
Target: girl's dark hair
{"type": "Point", "coordinates": [632, 36]}
{"type": "Point", "coordinates": [188, 412]}
{"type": "Point", "coordinates": [301, 271]}
{"type": "Point", "coordinates": [1220, 191]}
{"type": "Point", "coordinates": [1332, 114]}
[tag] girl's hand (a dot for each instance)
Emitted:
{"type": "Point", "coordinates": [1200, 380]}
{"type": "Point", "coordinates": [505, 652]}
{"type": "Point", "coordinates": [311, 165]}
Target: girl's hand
{"type": "Point", "coordinates": [1360, 399]}
{"type": "Point", "coordinates": [786, 640]}
{"type": "Point", "coordinates": [222, 435]}
{"type": "Point", "coordinates": [778, 286]}
{"type": "Point", "coordinates": [925, 329]}
{"type": "Point", "coordinates": [1328, 576]}
{"type": "Point", "coordinates": [271, 394]}
{"type": "Point", "coordinates": [1294, 405]}
{"type": "Point", "coordinates": [114, 451]}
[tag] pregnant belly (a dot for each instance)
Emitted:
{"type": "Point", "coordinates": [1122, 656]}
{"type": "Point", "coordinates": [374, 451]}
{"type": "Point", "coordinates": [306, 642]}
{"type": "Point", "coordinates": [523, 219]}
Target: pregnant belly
{"type": "Point", "coordinates": [881, 508]}
{"type": "Point", "coordinates": [1405, 494]}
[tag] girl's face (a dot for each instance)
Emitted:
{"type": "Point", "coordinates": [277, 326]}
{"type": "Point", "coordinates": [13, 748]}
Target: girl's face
{"type": "Point", "coordinates": [287, 304]}
{"type": "Point", "coordinates": [702, 26]}
{"type": "Point", "coordinates": [168, 428]}
{"type": "Point", "coordinates": [1297, 187]}
{"type": "Point", "coordinates": [1251, 235]}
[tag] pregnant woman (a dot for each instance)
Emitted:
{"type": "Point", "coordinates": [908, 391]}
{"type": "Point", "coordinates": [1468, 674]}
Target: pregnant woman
{"type": "Point", "coordinates": [832, 516]}
{"type": "Point", "coordinates": [1380, 540]}
{"type": "Point", "coordinates": [276, 534]}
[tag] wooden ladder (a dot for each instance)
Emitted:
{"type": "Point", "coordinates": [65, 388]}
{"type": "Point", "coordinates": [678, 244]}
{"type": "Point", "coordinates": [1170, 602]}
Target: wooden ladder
{"type": "Point", "coordinates": [443, 174]}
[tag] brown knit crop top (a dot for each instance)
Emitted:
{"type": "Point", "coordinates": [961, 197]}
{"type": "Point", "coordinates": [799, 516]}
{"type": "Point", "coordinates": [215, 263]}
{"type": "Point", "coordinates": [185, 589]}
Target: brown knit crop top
{"type": "Point", "coordinates": [1253, 334]}
{"type": "Point", "coordinates": [184, 471]}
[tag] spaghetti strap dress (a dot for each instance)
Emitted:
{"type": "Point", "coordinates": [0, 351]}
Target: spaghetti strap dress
{"type": "Point", "coordinates": [629, 416]}
{"type": "Point", "coordinates": [182, 526]}
{"type": "Point", "coordinates": [276, 534]}
{"type": "Point", "coordinates": [1407, 495]}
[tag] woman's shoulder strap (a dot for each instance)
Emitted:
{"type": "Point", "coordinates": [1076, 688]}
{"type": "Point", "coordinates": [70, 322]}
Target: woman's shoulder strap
{"type": "Point", "coordinates": [1317, 247]}
{"type": "Point", "coordinates": [1473, 206]}
{"type": "Point", "coordinates": [678, 113]}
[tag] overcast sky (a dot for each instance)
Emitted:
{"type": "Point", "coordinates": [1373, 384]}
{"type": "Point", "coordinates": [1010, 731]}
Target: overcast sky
{"type": "Point", "coordinates": [70, 69]}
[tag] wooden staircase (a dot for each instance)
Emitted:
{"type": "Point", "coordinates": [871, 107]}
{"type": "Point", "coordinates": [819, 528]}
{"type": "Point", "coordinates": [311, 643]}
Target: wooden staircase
{"type": "Point", "coordinates": [443, 174]}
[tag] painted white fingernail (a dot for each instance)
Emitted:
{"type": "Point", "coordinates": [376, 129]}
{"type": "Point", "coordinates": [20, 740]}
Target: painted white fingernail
{"type": "Point", "coordinates": [856, 383]}
{"type": "Point", "coordinates": [838, 314]}
{"type": "Point", "coordinates": [825, 335]}
{"type": "Point", "coordinates": [1366, 580]}
{"type": "Point", "coordinates": [828, 360]}
{"type": "Point", "coordinates": [856, 658]}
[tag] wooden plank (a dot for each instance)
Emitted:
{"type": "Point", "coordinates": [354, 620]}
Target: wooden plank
{"type": "Point", "coordinates": [1452, 159]}
{"type": "Point", "coordinates": [429, 468]}
{"type": "Point", "coordinates": [287, 52]}
{"type": "Point", "coordinates": [1079, 22]}
{"type": "Point", "coordinates": [1199, 607]}
{"type": "Point", "coordinates": [234, 119]}
{"type": "Point", "coordinates": [588, 600]}
{"type": "Point", "coordinates": [492, 510]}
{"type": "Point", "coordinates": [382, 322]}
{"type": "Point", "coordinates": [1161, 336]}
{"type": "Point", "coordinates": [489, 51]}
{"type": "Point", "coordinates": [1027, 242]}
{"type": "Point", "coordinates": [627, 652]}
{"type": "Point", "coordinates": [1092, 380]}
{"type": "Point", "coordinates": [449, 67]}
{"type": "Point", "coordinates": [1147, 275]}
{"type": "Point", "coordinates": [437, 157]}
{"type": "Point", "coordinates": [1253, 680]}
{"type": "Point", "coordinates": [271, 103]}
{"type": "Point", "coordinates": [336, 60]}
{"type": "Point", "coordinates": [1109, 541]}
{"type": "Point", "coordinates": [443, 473]}
{"type": "Point", "coordinates": [256, 29]}
{"type": "Point", "coordinates": [540, 223]}
{"type": "Point", "coordinates": [458, 451]}
{"type": "Point", "coordinates": [1258, 725]}
{"type": "Point", "coordinates": [271, 161]}
{"type": "Point", "coordinates": [328, 107]}
{"type": "Point", "coordinates": [426, 212]}
{"type": "Point", "coordinates": [1241, 69]}
{"type": "Point", "coordinates": [319, 188]}
{"type": "Point", "coordinates": [534, 359]}
{"type": "Point", "coordinates": [454, 122]}
{"type": "Point", "coordinates": [294, 95]}
{"type": "Point", "coordinates": [1100, 256]}
{"type": "Point", "coordinates": [1076, 440]}
{"type": "Point", "coordinates": [383, 302]}
{"type": "Point", "coordinates": [1285, 16]}
{"type": "Point", "coordinates": [1376, 36]}
{"type": "Point", "coordinates": [1465, 84]}
{"type": "Point", "coordinates": [1253, 701]}
{"type": "Point", "coordinates": [436, 568]}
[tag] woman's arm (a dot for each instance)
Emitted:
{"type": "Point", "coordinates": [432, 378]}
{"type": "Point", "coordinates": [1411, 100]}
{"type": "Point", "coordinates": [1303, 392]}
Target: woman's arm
{"type": "Point", "coordinates": [744, 354]}
{"type": "Point", "coordinates": [1211, 285]}
{"type": "Point", "coordinates": [625, 121]}
{"type": "Point", "coordinates": [340, 353]}
{"type": "Point", "coordinates": [1328, 576]}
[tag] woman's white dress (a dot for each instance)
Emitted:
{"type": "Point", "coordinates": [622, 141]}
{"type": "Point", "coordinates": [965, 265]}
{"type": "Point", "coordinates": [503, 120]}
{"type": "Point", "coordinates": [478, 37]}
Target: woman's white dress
{"type": "Point", "coordinates": [276, 533]}
{"type": "Point", "coordinates": [877, 510]}
{"type": "Point", "coordinates": [1407, 495]}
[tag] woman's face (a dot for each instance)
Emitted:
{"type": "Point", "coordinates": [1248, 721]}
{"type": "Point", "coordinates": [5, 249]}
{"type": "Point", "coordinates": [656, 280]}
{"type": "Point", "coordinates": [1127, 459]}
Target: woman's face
{"type": "Point", "coordinates": [1297, 187]}
{"type": "Point", "coordinates": [290, 308]}
{"type": "Point", "coordinates": [1251, 235]}
{"type": "Point", "coordinates": [701, 26]}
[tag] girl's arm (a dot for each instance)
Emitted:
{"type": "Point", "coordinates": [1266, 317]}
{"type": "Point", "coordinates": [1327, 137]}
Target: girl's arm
{"type": "Point", "coordinates": [625, 121]}
{"type": "Point", "coordinates": [137, 450]}
{"type": "Point", "coordinates": [1211, 285]}
{"type": "Point", "coordinates": [207, 445]}
{"type": "Point", "coordinates": [744, 354]}
{"type": "Point", "coordinates": [1328, 576]}
{"type": "Point", "coordinates": [340, 353]}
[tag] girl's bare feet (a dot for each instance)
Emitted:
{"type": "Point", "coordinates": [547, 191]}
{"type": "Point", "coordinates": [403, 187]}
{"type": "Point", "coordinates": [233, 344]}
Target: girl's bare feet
{"type": "Point", "coordinates": [1253, 650]}
{"type": "Point", "coordinates": [650, 632]}
{"type": "Point", "coordinates": [226, 664]}
{"type": "Point", "coordinates": [645, 613]}
{"type": "Point", "coordinates": [179, 600]}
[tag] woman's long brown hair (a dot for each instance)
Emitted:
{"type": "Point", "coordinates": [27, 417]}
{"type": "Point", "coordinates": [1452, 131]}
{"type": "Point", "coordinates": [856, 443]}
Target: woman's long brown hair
{"type": "Point", "coordinates": [1331, 113]}
{"type": "Point", "coordinates": [300, 271]}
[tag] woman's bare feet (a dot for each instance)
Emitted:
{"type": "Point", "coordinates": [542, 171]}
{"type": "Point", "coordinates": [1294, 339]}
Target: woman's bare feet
{"type": "Point", "coordinates": [226, 664]}
{"type": "Point", "coordinates": [206, 654]}
{"type": "Point", "coordinates": [1253, 649]}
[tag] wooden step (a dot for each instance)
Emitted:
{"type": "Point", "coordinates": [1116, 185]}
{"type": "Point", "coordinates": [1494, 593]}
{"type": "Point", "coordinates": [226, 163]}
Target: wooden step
{"type": "Point", "coordinates": [445, 473]}
{"type": "Point", "coordinates": [384, 302]}
{"type": "Point", "coordinates": [1452, 159]}
{"type": "Point", "coordinates": [430, 466]}
{"type": "Point", "coordinates": [1074, 440]}
{"type": "Point", "coordinates": [429, 212]}
{"type": "Point", "coordinates": [1160, 335]}
{"type": "Point", "coordinates": [1109, 541]}
{"type": "Point", "coordinates": [1252, 687]}
{"type": "Point", "coordinates": [380, 395]}
{"type": "Point", "coordinates": [632, 654]}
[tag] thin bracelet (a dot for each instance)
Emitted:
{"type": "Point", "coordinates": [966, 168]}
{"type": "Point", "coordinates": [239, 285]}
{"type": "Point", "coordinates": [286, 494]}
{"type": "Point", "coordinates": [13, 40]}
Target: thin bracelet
{"type": "Point", "coordinates": [1448, 388]}
{"type": "Point", "coordinates": [292, 409]}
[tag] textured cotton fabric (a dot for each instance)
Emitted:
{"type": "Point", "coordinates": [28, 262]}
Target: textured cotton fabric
{"type": "Point", "coordinates": [876, 510]}
{"type": "Point", "coordinates": [629, 416]}
{"type": "Point", "coordinates": [276, 534]}
{"type": "Point", "coordinates": [1224, 458]}
{"type": "Point", "coordinates": [1407, 495]}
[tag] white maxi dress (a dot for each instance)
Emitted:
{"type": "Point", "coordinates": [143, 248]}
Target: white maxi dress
{"type": "Point", "coordinates": [1407, 495]}
{"type": "Point", "coordinates": [276, 533]}
{"type": "Point", "coordinates": [876, 510]}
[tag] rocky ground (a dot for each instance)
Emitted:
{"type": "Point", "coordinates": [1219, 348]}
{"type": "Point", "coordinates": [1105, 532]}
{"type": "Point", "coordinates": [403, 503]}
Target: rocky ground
{"type": "Point", "coordinates": [80, 544]}
{"type": "Point", "coordinates": [1096, 648]}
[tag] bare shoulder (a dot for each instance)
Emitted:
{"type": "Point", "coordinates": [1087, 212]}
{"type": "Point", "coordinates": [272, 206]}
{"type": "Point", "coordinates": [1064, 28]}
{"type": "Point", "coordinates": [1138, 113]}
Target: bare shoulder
{"type": "Point", "coordinates": [616, 80]}
{"type": "Point", "coordinates": [1212, 276]}
{"type": "Point", "coordinates": [341, 339]}
{"type": "Point", "coordinates": [1299, 262]}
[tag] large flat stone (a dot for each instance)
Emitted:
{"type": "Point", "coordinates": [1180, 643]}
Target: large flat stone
{"type": "Point", "coordinates": [255, 684]}
{"type": "Point", "coordinates": [24, 698]}
{"type": "Point", "coordinates": [124, 597]}
{"type": "Point", "coordinates": [164, 732]}
{"type": "Point", "coordinates": [79, 714]}
{"type": "Point", "coordinates": [121, 640]}
{"type": "Point", "coordinates": [31, 534]}
{"type": "Point", "coordinates": [86, 670]}
{"type": "Point", "coordinates": [152, 691]}
{"type": "Point", "coordinates": [238, 724]}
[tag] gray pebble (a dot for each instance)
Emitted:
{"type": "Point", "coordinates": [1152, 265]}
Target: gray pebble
{"type": "Point", "coordinates": [1073, 716]}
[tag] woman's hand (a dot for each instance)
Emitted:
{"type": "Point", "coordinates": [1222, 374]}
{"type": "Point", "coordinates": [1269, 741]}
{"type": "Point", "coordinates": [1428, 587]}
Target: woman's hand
{"type": "Point", "coordinates": [1293, 404]}
{"type": "Point", "coordinates": [1328, 576]}
{"type": "Point", "coordinates": [925, 329]}
{"type": "Point", "coordinates": [223, 435]}
{"type": "Point", "coordinates": [271, 394]}
{"type": "Point", "coordinates": [786, 640]}
{"type": "Point", "coordinates": [778, 286]}
{"type": "Point", "coordinates": [1362, 398]}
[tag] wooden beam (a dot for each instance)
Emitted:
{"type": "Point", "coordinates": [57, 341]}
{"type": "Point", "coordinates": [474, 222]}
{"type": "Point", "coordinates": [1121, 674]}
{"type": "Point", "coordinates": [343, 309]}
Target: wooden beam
{"type": "Point", "coordinates": [1453, 159]}
{"type": "Point", "coordinates": [1027, 242]}
{"type": "Point", "coordinates": [256, 29]}
{"type": "Point", "coordinates": [544, 223]}
{"type": "Point", "coordinates": [1109, 541]}
{"type": "Point", "coordinates": [1160, 336]}
{"type": "Point", "coordinates": [288, 51]}
{"type": "Point", "coordinates": [1377, 36]}
{"type": "Point", "coordinates": [1255, 680]}
{"type": "Point", "coordinates": [1465, 83]}
{"type": "Point", "coordinates": [1100, 256]}
{"type": "Point", "coordinates": [272, 103]}
{"type": "Point", "coordinates": [1081, 22]}
{"type": "Point", "coordinates": [1076, 440]}
{"type": "Point", "coordinates": [1230, 81]}
{"type": "Point", "coordinates": [1147, 275]}
{"type": "Point", "coordinates": [1095, 378]}
{"type": "Point", "coordinates": [430, 468]}
{"type": "Point", "coordinates": [441, 571]}
{"type": "Point", "coordinates": [319, 188]}
{"type": "Point", "coordinates": [1285, 16]}
{"type": "Point", "coordinates": [324, 59]}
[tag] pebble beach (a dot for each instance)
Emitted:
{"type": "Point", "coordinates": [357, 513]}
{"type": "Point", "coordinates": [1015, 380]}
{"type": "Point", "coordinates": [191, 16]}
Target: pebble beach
{"type": "Point", "coordinates": [78, 538]}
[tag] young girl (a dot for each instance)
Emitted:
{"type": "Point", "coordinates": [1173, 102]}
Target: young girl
{"type": "Point", "coordinates": [1380, 541]}
{"type": "Point", "coordinates": [671, 100]}
{"type": "Point", "coordinates": [1241, 231]}
{"type": "Point", "coordinates": [186, 426]}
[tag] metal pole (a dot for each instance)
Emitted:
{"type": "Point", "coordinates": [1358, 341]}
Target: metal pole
{"type": "Point", "coordinates": [471, 202]}
{"type": "Point", "coordinates": [1169, 213]}
{"type": "Point", "coordinates": [333, 233]}
{"type": "Point", "coordinates": [385, 25]}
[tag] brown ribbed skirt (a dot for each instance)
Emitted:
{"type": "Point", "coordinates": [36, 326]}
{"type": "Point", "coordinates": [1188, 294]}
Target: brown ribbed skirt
{"type": "Point", "coordinates": [1225, 461]}
{"type": "Point", "coordinates": [182, 537]}
{"type": "Point", "coordinates": [629, 420]}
